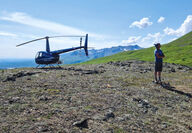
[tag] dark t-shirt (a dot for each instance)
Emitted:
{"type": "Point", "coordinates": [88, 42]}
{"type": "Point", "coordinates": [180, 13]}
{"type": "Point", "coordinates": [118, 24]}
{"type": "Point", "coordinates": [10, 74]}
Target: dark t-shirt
{"type": "Point", "coordinates": [158, 60]}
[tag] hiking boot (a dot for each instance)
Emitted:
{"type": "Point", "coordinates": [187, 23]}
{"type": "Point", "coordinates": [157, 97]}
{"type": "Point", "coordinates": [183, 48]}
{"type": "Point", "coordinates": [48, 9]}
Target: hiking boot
{"type": "Point", "coordinates": [156, 82]}
{"type": "Point", "coordinates": [159, 82]}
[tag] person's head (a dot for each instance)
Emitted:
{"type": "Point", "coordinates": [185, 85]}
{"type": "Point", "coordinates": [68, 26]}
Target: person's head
{"type": "Point", "coordinates": [157, 45]}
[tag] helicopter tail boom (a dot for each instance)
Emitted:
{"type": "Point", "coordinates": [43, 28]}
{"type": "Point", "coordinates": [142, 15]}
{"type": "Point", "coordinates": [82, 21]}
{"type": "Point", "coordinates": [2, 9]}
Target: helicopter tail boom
{"type": "Point", "coordinates": [74, 48]}
{"type": "Point", "coordinates": [66, 50]}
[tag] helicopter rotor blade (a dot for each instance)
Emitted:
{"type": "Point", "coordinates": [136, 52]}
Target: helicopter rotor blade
{"type": "Point", "coordinates": [31, 41]}
{"type": "Point", "coordinates": [65, 36]}
{"type": "Point", "coordinates": [47, 37]}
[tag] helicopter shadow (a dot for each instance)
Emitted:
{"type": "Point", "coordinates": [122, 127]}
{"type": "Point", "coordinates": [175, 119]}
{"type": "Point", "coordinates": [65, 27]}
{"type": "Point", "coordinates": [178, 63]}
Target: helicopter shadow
{"type": "Point", "coordinates": [50, 68]}
{"type": "Point", "coordinates": [167, 86]}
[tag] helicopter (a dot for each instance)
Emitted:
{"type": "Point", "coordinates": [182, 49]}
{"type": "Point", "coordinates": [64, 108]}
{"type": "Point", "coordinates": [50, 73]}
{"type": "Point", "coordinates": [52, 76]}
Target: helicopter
{"type": "Point", "coordinates": [48, 57]}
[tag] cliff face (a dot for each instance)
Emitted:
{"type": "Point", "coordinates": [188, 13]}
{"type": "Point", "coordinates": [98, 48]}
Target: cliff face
{"type": "Point", "coordinates": [112, 97]}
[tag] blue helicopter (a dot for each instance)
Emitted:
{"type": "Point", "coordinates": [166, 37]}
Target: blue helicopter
{"type": "Point", "coordinates": [52, 57]}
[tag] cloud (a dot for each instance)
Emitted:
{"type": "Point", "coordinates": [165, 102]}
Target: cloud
{"type": "Point", "coordinates": [23, 18]}
{"type": "Point", "coordinates": [7, 34]}
{"type": "Point", "coordinates": [32, 28]}
{"type": "Point", "coordinates": [161, 19]}
{"type": "Point", "coordinates": [185, 27]}
{"type": "Point", "coordinates": [170, 31]}
{"type": "Point", "coordinates": [146, 41]}
{"type": "Point", "coordinates": [131, 40]}
{"type": "Point", "coordinates": [155, 37]}
{"type": "Point", "coordinates": [143, 23]}
{"type": "Point", "coordinates": [150, 39]}
{"type": "Point", "coordinates": [173, 39]}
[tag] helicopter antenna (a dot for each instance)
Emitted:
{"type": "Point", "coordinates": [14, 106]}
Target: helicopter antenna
{"type": "Point", "coordinates": [80, 41]}
{"type": "Point", "coordinates": [80, 46]}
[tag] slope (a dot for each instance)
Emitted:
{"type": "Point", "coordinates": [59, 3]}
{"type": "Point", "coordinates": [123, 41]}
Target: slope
{"type": "Point", "coordinates": [178, 52]}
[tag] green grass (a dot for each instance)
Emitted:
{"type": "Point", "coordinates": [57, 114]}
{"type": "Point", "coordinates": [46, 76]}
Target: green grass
{"type": "Point", "coordinates": [178, 52]}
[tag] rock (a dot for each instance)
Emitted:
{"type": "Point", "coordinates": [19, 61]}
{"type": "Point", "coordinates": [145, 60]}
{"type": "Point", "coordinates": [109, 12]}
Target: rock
{"type": "Point", "coordinates": [56, 111]}
{"type": "Point", "coordinates": [154, 109]}
{"type": "Point", "coordinates": [28, 78]}
{"type": "Point", "coordinates": [105, 117]}
{"type": "Point", "coordinates": [145, 110]}
{"type": "Point", "coordinates": [180, 68]}
{"type": "Point", "coordinates": [43, 98]}
{"type": "Point", "coordinates": [19, 75]}
{"type": "Point", "coordinates": [13, 100]}
{"type": "Point", "coordinates": [145, 105]}
{"type": "Point", "coordinates": [124, 117]}
{"type": "Point", "coordinates": [9, 79]}
{"type": "Point", "coordinates": [140, 105]}
{"type": "Point", "coordinates": [101, 67]}
{"type": "Point", "coordinates": [109, 115]}
{"type": "Point", "coordinates": [173, 69]}
{"type": "Point", "coordinates": [168, 66]}
{"type": "Point", "coordinates": [143, 71]}
{"type": "Point", "coordinates": [109, 130]}
{"type": "Point", "coordinates": [81, 124]}
{"type": "Point", "coordinates": [119, 63]}
{"type": "Point", "coordinates": [110, 63]}
{"type": "Point", "coordinates": [70, 68]}
{"type": "Point", "coordinates": [164, 125]}
{"type": "Point", "coordinates": [190, 127]}
{"type": "Point", "coordinates": [98, 117]}
{"type": "Point", "coordinates": [43, 129]}
{"type": "Point", "coordinates": [93, 71]}
{"type": "Point", "coordinates": [120, 118]}
{"type": "Point", "coordinates": [149, 69]}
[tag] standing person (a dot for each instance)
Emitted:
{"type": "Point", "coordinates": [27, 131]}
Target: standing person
{"type": "Point", "coordinates": [158, 62]}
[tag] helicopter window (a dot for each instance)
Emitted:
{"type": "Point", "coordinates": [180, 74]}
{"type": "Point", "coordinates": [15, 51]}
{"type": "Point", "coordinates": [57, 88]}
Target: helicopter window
{"type": "Point", "coordinates": [40, 54]}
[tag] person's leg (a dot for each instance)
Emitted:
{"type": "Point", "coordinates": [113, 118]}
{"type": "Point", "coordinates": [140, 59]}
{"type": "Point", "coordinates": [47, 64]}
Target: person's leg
{"type": "Point", "coordinates": [155, 73]}
{"type": "Point", "coordinates": [160, 70]}
{"type": "Point", "coordinates": [159, 75]}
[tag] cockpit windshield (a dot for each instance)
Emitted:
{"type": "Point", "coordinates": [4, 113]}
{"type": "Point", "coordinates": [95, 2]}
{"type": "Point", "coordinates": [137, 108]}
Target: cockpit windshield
{"type": "Point", "coordinates": [39, 55]}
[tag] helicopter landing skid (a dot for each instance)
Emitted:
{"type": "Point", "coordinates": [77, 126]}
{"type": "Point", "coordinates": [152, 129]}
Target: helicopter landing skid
{"type": "Point", "coordinates": [50, 66]}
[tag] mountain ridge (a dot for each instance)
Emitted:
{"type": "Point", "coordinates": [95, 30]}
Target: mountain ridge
{"type": "Point", "coordinates": [79, 56]}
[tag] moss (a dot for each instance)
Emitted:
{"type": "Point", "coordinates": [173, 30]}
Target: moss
{"type": "Point", "coordinates": [119, 130]}
{"type": "Point", "coordinates": [88, 107]}
{"type": "Point", "coordinates": [53, 91]}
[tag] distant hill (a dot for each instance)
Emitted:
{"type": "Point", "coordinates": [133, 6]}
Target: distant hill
{"type": "Point", "coordinates": [178, 51]}
{"type": "Point", "coordinates": [79, 55]}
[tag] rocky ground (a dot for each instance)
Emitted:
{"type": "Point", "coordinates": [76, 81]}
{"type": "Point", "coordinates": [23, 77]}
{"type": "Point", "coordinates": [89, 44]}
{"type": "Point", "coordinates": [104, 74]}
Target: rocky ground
{"type": "Point", "coordinates": [115, 97]}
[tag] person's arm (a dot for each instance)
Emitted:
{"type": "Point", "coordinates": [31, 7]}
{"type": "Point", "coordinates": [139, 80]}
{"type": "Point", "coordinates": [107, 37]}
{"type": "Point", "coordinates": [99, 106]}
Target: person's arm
{"type": "Point", "coordinates": [163, 55]}
{"type": "Point", "coordinates": [158, 56]}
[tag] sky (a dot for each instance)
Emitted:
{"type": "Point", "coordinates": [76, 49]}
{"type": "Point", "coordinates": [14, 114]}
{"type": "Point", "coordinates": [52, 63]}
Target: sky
{"type": "Point", "coordinates": [108, 23]}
